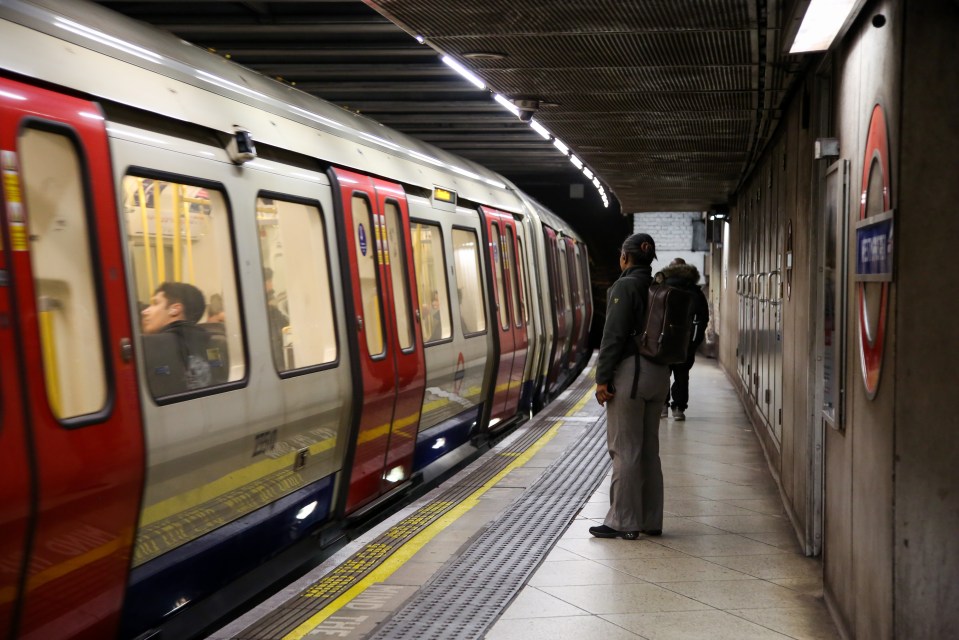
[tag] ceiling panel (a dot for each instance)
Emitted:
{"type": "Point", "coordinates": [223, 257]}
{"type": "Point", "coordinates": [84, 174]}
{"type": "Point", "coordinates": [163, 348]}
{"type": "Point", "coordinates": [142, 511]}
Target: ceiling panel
{"type": "Point", "coordinates": [667, 101]}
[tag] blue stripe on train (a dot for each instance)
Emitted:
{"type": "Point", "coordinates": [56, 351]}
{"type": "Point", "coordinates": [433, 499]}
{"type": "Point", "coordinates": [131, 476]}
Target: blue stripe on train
{"type": "Point", "coordinates": [201, 567]}
{"type": "Point", "coordinates": [435, 442]}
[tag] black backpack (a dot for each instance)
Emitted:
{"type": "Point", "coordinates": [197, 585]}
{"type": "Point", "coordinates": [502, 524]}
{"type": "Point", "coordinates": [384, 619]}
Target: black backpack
{"type": "Point", "coordinates": [668, 330]}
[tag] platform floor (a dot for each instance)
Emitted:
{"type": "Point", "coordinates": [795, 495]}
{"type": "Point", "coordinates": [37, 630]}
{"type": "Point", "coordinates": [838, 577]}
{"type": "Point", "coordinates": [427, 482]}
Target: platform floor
{"type": "Point", "coordinates": [727, 565]}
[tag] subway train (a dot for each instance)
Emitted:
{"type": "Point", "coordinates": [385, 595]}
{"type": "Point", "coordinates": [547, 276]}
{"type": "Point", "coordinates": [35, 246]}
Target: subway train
{"type": "Point", "coordinates": [234, 317]}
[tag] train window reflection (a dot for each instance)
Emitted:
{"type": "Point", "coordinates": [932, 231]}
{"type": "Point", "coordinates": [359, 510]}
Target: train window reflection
{"type": "Point", "coordinates": [429, 264]}
{"type": "Point", "coordinates": [500, 279]}
{"type": "Point", "coordinates": [396, 248]}
{"type": "Point", "coordinates": [67, 310]}
{"type": "Point", "coordinates": [181, 249]}
{"type": "Point", "coordinates": [522, 266]}
{"type": "Point", "coordinates": [469, 281]}
{"type": "Point", "coordinates": [296, 283]}
{"type": "Point", "coordinates": [512, 272]}
{"type": "Point", "coordinates": [365, 236]}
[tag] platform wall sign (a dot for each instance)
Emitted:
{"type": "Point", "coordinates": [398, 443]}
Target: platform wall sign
{"type": "Point", "coordinates": [874, 248]}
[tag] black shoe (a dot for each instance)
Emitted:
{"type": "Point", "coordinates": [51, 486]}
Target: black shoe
{"type": "Point", "coordinates": [652, 532]}
{"type": "Point", "coordinates": [602, 531]}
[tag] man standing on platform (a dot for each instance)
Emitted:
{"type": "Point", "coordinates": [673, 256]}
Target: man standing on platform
{"type": "Point", "coordinates": [635, 389]}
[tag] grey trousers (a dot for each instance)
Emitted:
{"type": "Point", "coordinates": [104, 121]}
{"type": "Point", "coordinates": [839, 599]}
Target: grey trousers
{"type": "Point", "coordinates": [632, 435]}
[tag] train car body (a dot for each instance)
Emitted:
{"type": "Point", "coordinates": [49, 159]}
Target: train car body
{"type": "Point", "coordinates": [374, 309]}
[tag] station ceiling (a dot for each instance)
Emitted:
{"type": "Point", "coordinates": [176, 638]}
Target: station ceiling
{"type": "Point", "coordinates": [668, 102]}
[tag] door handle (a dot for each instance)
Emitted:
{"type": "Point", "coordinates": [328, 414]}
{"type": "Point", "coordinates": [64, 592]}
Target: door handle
{"type": "Point", "coordinates": [126, 349]}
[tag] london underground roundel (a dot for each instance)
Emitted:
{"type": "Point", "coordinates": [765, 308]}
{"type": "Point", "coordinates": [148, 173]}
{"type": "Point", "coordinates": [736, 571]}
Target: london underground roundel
{"type": "Point", "coordinates": [873, 297]}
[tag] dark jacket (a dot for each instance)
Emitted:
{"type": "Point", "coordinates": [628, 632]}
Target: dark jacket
{"type": "Point", "coordinates": [686, 276]}
{"type": "Point", "coordinates": [625, 314]}
{"type": "Point", "coordinates": [177, 359]}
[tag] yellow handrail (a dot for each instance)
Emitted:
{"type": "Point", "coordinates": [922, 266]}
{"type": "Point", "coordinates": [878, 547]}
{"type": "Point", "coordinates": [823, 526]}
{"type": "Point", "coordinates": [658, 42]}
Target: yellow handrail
{"type": "Point", "coordinates": [161, 257]}
{"type": "Point", "coordinates": [146, 233]}
{"type": "Point", "coordinates": [177, 264]}
{"type": "Point", "coordinates": [46, 307]}
{"type": "Point", "coordinates": [189, 234]}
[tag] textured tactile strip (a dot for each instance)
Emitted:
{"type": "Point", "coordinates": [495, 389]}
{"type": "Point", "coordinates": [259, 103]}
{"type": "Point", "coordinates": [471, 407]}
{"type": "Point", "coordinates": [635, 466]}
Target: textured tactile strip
{"type": "Point", "coordinates": [287, 617]}
{"type": "Point", "coordinates": [466, 598]}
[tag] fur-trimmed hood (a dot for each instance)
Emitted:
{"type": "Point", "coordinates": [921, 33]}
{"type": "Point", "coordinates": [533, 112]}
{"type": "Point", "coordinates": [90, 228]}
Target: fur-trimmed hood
{"type": "Point", "coordinates": [686, 273]}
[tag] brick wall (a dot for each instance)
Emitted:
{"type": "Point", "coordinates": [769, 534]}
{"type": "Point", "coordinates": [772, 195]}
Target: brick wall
{"type": "Point", "coordinates": [673, 233]}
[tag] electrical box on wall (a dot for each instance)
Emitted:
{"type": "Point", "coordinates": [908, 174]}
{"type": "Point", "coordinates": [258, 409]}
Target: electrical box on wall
{"type": "Point", "coordinates": [826, 148]}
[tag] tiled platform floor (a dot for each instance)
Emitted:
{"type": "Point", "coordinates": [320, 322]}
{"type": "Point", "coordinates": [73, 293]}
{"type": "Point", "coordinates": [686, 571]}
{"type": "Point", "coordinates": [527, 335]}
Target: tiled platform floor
{"type": "Point", "coordinates": [726, 567]}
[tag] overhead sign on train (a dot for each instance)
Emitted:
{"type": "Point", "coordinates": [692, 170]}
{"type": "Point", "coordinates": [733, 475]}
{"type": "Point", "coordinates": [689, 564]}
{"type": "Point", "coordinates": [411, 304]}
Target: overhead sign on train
{"type": "Point", "coordinates": [444, 195]}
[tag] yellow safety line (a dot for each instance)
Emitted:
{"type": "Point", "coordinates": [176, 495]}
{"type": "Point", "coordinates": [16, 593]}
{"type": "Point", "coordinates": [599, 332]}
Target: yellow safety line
{"type": "Point", "coordinates": [410, 548]}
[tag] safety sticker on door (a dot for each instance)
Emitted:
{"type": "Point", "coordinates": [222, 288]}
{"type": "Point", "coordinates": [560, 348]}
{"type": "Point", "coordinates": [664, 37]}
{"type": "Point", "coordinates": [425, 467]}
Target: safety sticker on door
{"type": "Point", "coordinates": [11, 194]}
{"type": "Point", "coordinates": [361, 235]}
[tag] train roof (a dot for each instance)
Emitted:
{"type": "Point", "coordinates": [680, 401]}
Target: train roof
{"type": "Point", "coordinates": [130, 63]}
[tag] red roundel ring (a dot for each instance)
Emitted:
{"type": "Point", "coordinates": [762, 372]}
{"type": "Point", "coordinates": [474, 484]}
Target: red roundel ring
{"type": "Point", "coordinates": [870, 351]}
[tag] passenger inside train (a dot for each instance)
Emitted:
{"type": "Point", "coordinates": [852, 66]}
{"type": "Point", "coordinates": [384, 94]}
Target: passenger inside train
{"type": "Point", "coordinates": [178, 352]}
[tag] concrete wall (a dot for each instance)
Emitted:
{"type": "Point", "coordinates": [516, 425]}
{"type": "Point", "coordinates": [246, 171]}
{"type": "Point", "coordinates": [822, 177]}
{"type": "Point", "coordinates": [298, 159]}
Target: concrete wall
{"type": "Point", "coordinates": [890, 519]}
{"type": "Point", "coordinates": [926, 538]}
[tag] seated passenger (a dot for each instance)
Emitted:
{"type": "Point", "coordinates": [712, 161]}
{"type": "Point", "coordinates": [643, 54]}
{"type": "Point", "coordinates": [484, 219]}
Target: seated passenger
{"type": "Point", "coordinates": [177, 351]}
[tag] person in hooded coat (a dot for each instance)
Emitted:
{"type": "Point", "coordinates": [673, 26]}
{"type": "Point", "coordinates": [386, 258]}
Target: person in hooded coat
{"type": "Point", "coordinates": [685, 276]}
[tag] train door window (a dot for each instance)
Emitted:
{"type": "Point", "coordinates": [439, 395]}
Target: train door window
{"type": "Point", "coordinates": [501, 303]}
{"type": "Point", "coordinates": [469, 281]}
{"type": "Point", "coordinates": [181, 249]}
{"type": "Point", "coordinates": [512, 271]}
{"type": "Point", "coordinates": [396, 248]}
{"type": "Point", "coordinates": [296, 282]}
{"type": "Point", "coordinates": [429, 265]}
{"type": "Point", "coordinates": [364, 234]}
{"type": "Point", "coordinates": [524, 290]}
{"type": "Point", "coordinates": [64, 278]}
{"type": "Point", "coordinates": [563, 275]}
{"type": "Point", "coordinates": [578, 265]}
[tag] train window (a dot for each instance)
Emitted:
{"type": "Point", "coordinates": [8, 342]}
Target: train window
{"type": "Point", "coordinates": [296, 281]}
{"type": "Point", "coordinates": [501, 303]}
{"type": "Point", "coordinates": [469, 281]}
{"type": "Point", "coordinates": [578, 267]}
{"type": "Point", "coordinates": [564, 275]}
{"type": "Point", "coordinates": [429, 265]}
{"type": "Point", "coordinates": [524, 291]}
{"type": "Point", "coordinates": [365, 235]}
{"type": "Point", "coordinates": [512, 271]}
{"type": "Point", "coordinates": [67, 310]}
{"type": "Point", "coordinates": [181, 249]}
{"type": "Point", "coordinates": [396, 247]}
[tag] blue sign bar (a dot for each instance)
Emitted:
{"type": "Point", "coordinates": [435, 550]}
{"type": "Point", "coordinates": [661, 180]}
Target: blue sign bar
{"type": "Point", "coordinates": [874, 248]}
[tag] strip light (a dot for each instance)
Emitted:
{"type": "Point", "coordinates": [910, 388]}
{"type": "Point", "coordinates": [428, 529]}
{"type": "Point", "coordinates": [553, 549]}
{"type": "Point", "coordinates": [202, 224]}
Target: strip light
{"type": "Point", "coordinates": [460, 69]}
{"type": "Point", "coordinates": [821, 24]}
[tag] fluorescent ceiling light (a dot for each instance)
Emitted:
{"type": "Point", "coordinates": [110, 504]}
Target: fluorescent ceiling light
{"type": "Point", "coordinates": [820, 24]}
{"type": "Point", "coordinates": [562, 147]}
{"type": "Point", "coordinates": [460, 69]}
{"type": "Point", "coordinates": [587, 173]}
{"type": "Point", "coordinates": [576, 161]}
{"type": "Point", "coordinates": [420, 39]}
{"type": "Point", "coordinates": [540, 129]}
{"type": "Point", "coordinates": [512, 108]}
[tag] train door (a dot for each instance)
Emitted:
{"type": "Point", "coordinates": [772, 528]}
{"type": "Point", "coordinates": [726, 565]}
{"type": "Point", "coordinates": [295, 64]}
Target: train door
{"type": "Point", "coordinates": [65, 284]}
{"type": "Point", "coordinates": [513, 340]}
{"type": "Point", "coordinates": [575, 300]}
{"type": "Point", "coordinates": [16, 496]}
{"type": "Point", "coordinates": [587, 292]}
{"type": "Point", "coordinates": [557, 311]}
{"type": "Point", "coordinates": [392, 373]}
